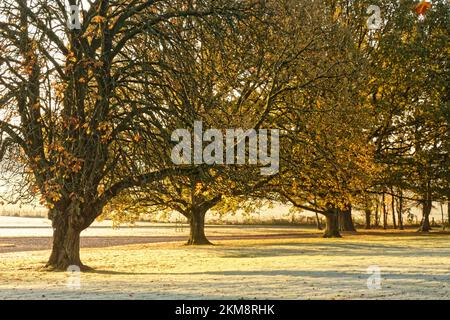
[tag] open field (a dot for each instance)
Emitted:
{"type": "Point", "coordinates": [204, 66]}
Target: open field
{"type": "Point", "coordinates": [293, 263]}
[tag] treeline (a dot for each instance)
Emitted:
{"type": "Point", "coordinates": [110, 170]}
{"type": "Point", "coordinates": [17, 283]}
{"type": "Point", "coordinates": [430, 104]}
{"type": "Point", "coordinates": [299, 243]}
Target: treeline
{"type": "Point", "coordinates": [88, 115]}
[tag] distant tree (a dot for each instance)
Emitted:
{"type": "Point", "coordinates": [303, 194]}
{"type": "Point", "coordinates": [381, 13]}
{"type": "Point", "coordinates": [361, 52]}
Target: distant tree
{"type": "Point", "coordinates": [332, 155]}
{"type": "Point", "coordinates": [409, 72]}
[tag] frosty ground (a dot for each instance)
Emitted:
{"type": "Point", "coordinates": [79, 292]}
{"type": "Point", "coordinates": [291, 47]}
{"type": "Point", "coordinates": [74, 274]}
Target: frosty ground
{"type": "Point", "coordinates": [293, 263]}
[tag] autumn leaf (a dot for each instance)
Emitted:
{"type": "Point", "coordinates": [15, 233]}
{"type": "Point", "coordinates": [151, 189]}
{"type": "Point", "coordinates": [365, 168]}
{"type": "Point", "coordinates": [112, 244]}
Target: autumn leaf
{"type": "Point", "coordinates": [337, 13]}
{"type": "Point", "coordinates": [198, 188]}
{"type": "Point", "coordinates": [137, 137]}
{"type": "Point", "coordinates": [71, 57]}
{"type": "Point", "coordinates": [98, 19]}
{"type": "Point", "coordinates": [423, 7]}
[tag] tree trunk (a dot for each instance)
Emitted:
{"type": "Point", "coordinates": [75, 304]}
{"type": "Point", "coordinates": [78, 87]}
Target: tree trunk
{"type": "Point", "coordinates": [384, 212]}
{"type": "Point", "coordinates": [400, 211]}
{"type": "Point", "coordinates": [66, 248]}
{"type": "Point", "coordinates": [377, 219]}
{"type": "Point", "coordinates": [197, 228]}
{"type": "Point", "coordinates": [393, 210]}
{"type": "Point", "coordinates": [332, 225]}
{"type": "Point", "coordinates": [67, 223]}
{"type": "Point", "coordinates": [426, 210]}
{"type": "Point", "coordinates": [319, 225]}
{"type": "Point", "coordinates": [345, 220]}
{"type": "Point", "coordinates": [448, 212]}
{"type": "Point", "coordinates": [66, 242]}
{"type": "Point", "coordinates": [368, 215]}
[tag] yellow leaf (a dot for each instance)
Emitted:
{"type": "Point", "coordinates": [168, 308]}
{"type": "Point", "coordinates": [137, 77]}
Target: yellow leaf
{"type": "Point", "coordinates": [98, 19]}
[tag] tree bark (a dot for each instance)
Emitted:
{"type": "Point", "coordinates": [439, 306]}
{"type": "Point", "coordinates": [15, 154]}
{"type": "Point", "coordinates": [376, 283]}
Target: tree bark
{"type": "Point", "coordinates": [448, 212]}
{"type": "Point", "coordinates": [393, 210]}
{"type": "Point", "coordinates": [400, 211]}
{"type": "Point", "coordinates": [319, 225]}
{"type": "Point", "coordinates": [384, 212]}
{"type": "Point", "coordinates": [426, 210]}
{"type": "Point", "coordinates": [197, 227]}
{"type": "Point", "coordinates": [368, 215]}
{"type": "Point", "coordinates": [345, 220]}
{"type": "Point", "coordinates": [377, 219]}
{"type": "Point", "coordinates": [332, 225]}
{"type": "Point", "coordinates": [67, 223]}
{"type": "Point", "coordinates": [66, 248]}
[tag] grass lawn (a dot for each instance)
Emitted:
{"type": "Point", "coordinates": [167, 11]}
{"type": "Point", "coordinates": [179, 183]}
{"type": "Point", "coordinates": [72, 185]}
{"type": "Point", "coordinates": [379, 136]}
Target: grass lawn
{"type": "Point", "coordinates": [412, 266]}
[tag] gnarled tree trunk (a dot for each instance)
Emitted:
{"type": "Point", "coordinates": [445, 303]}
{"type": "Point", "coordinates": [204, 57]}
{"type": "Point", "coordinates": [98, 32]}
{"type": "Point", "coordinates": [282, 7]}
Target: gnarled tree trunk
{"type": "Point", "coordinates": [66, 247]}
{"type": "Point", "coordinates": [67, 223]}
{"type": "Point", "coordinates": [332, 224]}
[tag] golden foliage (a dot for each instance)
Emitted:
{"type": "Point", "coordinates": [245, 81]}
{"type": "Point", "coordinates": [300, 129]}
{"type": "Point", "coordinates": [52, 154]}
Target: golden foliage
{"type": "Point", "coordinates": [422, 7]}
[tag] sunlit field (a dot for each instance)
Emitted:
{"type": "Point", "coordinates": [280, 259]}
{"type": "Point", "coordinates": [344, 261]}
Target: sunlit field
{"type": "Point", "coordinates": [288, 263]}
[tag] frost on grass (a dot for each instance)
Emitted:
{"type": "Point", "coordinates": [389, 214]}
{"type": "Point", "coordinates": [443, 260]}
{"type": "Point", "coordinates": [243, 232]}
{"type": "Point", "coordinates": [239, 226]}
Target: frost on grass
{"type": "Point", "coordinates": [412, 267]}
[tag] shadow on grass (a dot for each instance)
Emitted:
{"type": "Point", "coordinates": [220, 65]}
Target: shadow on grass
{"type": "Point", "coordinates": [292, 273]}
